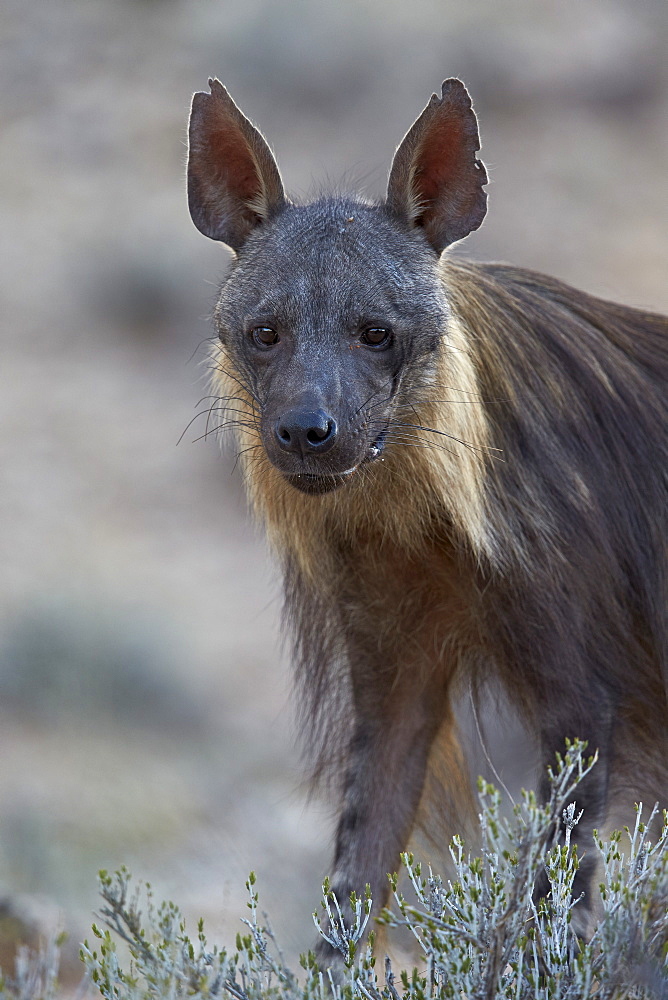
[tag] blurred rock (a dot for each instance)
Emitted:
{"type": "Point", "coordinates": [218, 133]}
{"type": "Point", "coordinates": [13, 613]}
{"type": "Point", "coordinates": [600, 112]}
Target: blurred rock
{"type": "Point", "coordinates": [140, 290]}
{"type": "Point", "coordinates": [65, 660]}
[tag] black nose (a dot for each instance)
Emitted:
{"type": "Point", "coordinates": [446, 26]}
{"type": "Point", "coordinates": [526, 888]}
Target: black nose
{"type": "Point", "coordinates": [306, 432]}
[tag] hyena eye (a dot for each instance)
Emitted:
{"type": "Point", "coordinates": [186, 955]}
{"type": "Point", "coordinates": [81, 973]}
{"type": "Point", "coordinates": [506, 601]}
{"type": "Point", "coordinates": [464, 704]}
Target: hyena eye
{"type": "Point", "coordinates": [264, 336]}
{"type": "Point", "coordinates": [376, 336]}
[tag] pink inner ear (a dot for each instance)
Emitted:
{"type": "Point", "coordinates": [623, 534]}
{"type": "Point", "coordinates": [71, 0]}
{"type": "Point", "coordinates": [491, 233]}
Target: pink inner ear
{"type": "Point", "coordinates": [233, 181]}
{"type": "Point", "coordinates": [440, 159]}
{"type": "Point", "coordinates": [436, 182]}
{"type": "Point", "coordinates": [231, 161]}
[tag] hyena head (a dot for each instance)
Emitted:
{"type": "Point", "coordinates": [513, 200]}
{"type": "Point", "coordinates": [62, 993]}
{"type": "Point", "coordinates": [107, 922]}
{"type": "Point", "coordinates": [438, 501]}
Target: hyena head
{"type": "Point", "coordinates": [333, 312]}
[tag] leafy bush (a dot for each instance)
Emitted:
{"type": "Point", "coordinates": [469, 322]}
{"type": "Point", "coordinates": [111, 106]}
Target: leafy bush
{"type": "Point", "coordinates": [481, 933]}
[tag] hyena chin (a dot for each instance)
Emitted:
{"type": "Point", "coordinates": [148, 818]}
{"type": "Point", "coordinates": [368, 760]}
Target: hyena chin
{"type": "Point", "coordinates": [461, 468]}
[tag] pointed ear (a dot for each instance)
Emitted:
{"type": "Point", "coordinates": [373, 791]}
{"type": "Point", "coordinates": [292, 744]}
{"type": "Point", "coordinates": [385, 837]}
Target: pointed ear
{"type": "Point", "coordinates": [233, 181]}
{"type": "Point", "coordinates": [436, 181]}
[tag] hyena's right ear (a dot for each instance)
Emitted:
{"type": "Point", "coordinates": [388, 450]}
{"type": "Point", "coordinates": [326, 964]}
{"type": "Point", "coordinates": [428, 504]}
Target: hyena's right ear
{"type": "Point", "coordinates": [436, 181]}
{"type": "Point", "coordinates": [233, 181]}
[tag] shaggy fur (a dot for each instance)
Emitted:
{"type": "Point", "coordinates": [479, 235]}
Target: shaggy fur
{"type": "Point", "coordinates": [514, 525]}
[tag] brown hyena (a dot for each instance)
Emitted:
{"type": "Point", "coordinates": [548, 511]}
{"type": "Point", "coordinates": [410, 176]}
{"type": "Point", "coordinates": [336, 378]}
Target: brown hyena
{"type": "Point", "coordinates": [461, 468]}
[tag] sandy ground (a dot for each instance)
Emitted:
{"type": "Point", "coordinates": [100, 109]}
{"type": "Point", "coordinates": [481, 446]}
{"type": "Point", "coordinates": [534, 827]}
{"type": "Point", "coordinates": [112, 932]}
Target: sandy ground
{"type": "Point", "coordinates": [143, 692]}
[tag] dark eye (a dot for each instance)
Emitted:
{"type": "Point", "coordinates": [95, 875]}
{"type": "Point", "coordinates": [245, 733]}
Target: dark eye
{"type": "Point", "coordinates": [264, 336]}
{"type": "Point", "coordinates": [376, 336]}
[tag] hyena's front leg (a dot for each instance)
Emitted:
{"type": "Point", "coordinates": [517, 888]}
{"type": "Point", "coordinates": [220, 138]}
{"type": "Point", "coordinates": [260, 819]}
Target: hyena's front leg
{"type": "Point", "coordinates": [402, 619]}
{"type": "Point", "coordinates": [400, 701]}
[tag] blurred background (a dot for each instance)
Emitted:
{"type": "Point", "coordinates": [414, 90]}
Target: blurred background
{"type": "Point", "coordinates": [143, 692]}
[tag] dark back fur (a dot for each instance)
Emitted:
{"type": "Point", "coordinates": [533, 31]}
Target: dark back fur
{"type": "Point", "coordinates": [578, 504]}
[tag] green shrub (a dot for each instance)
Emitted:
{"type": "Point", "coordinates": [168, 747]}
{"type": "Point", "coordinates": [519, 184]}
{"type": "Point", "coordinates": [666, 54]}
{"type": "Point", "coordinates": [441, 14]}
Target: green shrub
{"type": "Point", "coordinates": [480, 932]}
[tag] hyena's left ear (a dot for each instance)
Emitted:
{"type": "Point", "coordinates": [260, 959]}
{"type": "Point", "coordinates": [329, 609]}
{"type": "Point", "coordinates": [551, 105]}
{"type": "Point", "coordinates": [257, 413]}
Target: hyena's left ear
{"type": "Point", "coordinates": [436, 181]}
{"type": "Point", "coordinates": [233, 181]}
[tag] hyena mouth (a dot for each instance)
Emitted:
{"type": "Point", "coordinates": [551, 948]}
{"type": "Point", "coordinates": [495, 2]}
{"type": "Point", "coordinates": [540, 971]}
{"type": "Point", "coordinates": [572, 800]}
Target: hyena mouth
{"type": "Point", "coordinates": [314, 485]}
